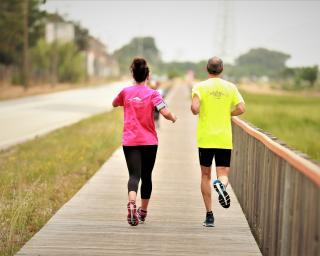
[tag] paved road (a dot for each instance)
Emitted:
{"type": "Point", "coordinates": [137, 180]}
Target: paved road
{"type": "Point", "coordinates": [94, 222]}
{"type": "Point", "coordinates": [25, 118]}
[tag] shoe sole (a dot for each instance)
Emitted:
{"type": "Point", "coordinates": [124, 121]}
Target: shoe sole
{"type": "Point", "coordinates": [224, 198]}
{"type": "Point", "coordinates": [132, 216]}
{"type": "Point", "coordinates": [208, 225]}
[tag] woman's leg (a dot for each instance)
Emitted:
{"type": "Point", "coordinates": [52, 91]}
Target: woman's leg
{"type": "Point", "coordinates": [149, 154]}
{"type": "Point", "coordinates": [133, 159]}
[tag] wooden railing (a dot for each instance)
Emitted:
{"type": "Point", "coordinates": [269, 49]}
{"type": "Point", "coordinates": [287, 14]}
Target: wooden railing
{"type": "Point", "coordinates": [279, 192]}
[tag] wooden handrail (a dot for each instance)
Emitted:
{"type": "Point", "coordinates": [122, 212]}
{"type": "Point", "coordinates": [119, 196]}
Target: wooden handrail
{"type": "Point", "coordinates": [309, 169]}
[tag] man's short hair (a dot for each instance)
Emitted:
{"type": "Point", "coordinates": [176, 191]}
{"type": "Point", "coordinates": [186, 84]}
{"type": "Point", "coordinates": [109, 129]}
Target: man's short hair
{"type": "Point", "coordinates": [215, 66]}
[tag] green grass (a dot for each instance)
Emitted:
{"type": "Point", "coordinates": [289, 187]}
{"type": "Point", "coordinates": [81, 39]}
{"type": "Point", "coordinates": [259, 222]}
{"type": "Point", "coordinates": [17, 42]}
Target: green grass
{"type": "Point", "coordinates": [38, 177]}
{"type": "Point", "coordinates": [293, 119]}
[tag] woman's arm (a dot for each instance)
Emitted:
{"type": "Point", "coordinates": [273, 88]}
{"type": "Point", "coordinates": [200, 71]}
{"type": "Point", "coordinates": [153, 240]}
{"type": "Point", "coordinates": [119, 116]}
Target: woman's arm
{"type": "Point", "coordinates": [165, 112]}
{"type": "Point", "coordinates": [118, 101]}
{"type": "Point", "coordinates": [115, 103]}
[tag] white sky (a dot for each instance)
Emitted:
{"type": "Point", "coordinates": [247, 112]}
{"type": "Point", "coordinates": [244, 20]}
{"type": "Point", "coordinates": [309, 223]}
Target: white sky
{"type": "Point", "coordinates": [192, 30]}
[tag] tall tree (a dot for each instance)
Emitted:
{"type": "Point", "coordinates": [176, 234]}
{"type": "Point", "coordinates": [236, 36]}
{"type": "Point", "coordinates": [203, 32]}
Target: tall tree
{"type": "Point", "coordinates": [13, 28]}
{"type": "Point", "coordinates": [25, 64]}
{"type": "Point", "coordinates": [309, 74]}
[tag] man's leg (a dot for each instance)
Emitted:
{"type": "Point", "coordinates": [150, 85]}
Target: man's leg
{"type": "Point", "coordinates": [220, 186]}
{"type": "Point", "coordinates": [222, 158]}
{"type": "Point", "coordinates": [223, 174]}
{"type": "Point", "coordinates": [205, 157]}
{"type": "Point", "coordinates": [206, 187]}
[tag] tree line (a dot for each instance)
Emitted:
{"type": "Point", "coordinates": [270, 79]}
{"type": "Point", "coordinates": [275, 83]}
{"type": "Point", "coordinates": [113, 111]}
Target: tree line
{"type": "Point", "coordinates": [255, 64]}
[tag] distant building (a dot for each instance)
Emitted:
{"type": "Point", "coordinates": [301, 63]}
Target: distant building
{"type": "Point", "coordinates": [63, 32]}
{"type": "Point", "coordinates": [99, 63]}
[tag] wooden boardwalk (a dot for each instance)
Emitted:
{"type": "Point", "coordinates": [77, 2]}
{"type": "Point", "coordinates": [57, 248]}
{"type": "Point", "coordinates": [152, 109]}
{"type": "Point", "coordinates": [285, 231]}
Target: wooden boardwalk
{"type": "Point", "coordinates": [94, 222]}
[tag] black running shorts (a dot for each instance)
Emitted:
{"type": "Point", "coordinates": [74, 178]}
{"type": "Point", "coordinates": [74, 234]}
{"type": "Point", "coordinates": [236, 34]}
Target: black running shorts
{"type": "Point", "coordinates": [222, 156]}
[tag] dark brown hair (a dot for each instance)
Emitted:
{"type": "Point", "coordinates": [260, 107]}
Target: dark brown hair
{"type": "Point", "coordinates": [139, 69]}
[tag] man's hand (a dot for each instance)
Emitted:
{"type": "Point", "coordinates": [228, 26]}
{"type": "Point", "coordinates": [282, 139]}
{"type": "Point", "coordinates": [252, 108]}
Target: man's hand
{"type": "Point", "coordinates": [240, 109]}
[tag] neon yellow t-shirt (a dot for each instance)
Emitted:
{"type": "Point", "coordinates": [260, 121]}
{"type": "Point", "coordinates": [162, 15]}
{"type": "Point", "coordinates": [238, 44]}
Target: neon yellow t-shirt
{"type": "Point", "coordinates": [217, 97]}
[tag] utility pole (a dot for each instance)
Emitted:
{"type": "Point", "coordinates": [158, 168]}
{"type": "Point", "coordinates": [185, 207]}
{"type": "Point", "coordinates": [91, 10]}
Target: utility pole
{"type": "Point", "coordinates": [25, 68]}
{"type": "Point", "coordinates": [54, 78]}
{"type": "Point", "coordinates": [225, 33]}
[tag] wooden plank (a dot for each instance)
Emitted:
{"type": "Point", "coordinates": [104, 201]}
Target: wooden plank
{"type": "Point", "coordinates": [93, 222]}
{"type": "Point", "coordinates": [287, 213]}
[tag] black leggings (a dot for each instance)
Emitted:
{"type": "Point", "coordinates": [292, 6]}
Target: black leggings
{"type": "Point", "coordinates": [140, 161]}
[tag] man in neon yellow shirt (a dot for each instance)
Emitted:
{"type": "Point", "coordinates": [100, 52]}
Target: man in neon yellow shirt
{"type": "Point", "coordinates": [215, 100]}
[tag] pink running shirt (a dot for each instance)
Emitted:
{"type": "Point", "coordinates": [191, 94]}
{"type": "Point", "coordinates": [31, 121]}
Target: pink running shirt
{"type": "Point", "coordinates": [139, 102]}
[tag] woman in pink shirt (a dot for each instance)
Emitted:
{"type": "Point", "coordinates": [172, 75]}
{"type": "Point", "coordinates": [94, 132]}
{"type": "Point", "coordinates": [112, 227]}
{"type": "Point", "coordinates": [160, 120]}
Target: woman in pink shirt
{"type": "Point", "coordinates": [140, 141]}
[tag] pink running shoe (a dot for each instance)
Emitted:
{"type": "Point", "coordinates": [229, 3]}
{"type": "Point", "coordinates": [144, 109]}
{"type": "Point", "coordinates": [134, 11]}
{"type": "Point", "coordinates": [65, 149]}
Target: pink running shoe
{"type": "Point", "coordinates": [132, 214]}
{"type": "Point", "coordinates": [141, 215]}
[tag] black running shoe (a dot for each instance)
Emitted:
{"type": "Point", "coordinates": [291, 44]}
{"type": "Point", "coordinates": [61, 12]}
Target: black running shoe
{"type": "Point", "coordinates": [224, 198]}
{"type": "Point", "coordinates": [209, 221]}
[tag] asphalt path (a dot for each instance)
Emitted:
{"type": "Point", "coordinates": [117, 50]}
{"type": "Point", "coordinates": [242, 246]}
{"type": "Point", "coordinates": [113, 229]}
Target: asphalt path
{"type": "Point", "coordinates": [25, 118]}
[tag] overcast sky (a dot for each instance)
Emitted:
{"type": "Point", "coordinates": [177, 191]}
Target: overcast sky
{"type": "Point", "coordinates": [196, 30]}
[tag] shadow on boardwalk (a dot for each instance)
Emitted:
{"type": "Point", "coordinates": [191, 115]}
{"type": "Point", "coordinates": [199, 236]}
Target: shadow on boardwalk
{"type": "Point", "coordinates": [93, 222]}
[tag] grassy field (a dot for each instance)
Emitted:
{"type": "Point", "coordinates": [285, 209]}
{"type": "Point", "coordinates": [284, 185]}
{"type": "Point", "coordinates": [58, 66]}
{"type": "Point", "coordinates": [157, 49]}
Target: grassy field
{"type": "Point", "coordinates": [293, 119]}
{"type": "Point", "coordinates": [38, 177]}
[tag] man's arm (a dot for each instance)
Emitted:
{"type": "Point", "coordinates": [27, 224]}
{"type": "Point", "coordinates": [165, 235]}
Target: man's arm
{"type": "Point", "coordinates": [195, 105]}
{"type": "Point", "coordinates": [239, 109]}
